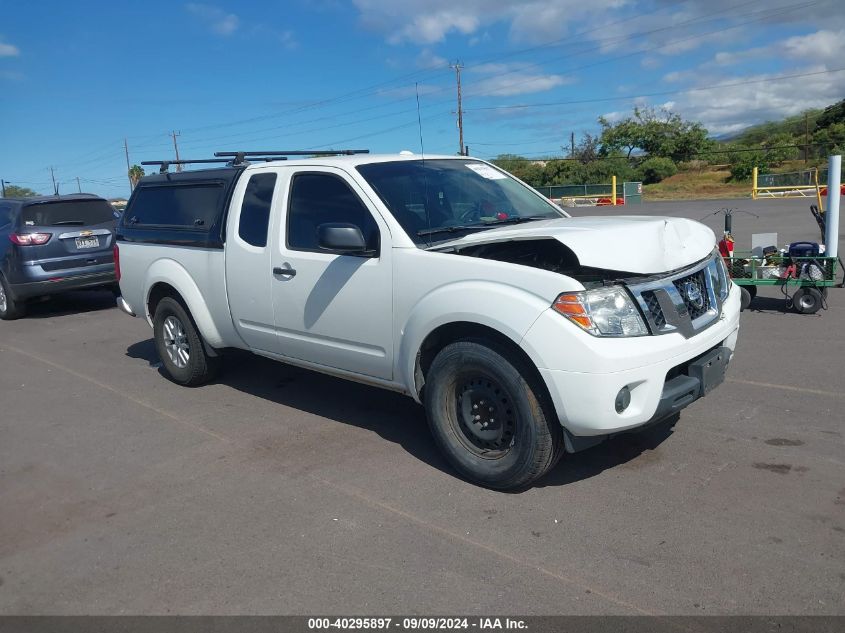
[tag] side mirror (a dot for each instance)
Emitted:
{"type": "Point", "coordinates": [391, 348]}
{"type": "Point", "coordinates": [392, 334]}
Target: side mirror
{"type": "Point", "coordinates": [342, 238]}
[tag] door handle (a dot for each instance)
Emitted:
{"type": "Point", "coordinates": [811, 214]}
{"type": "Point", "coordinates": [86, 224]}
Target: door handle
{"type": "Point", "coordinates": [287, 272]}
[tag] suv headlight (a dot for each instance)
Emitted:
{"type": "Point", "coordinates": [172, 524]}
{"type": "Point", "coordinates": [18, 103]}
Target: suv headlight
{"type": "Point", "coordinates": [606, 311]}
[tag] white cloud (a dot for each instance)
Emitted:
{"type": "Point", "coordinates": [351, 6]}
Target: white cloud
{"type": "Point", "coordinates": [822, 47]}
{"type": "Point", "coordinates": [214, 18]}
{"type": "Point", "coordinates": [756, 98]}
{"type": "Point", "coordinates": [505, 80]}
{"type": "Point", "coordinates": [431, 21]}
{"type": "Point", "coordinates": [427, 59]}
{"type": "Point", "coordinates": [8, 50]}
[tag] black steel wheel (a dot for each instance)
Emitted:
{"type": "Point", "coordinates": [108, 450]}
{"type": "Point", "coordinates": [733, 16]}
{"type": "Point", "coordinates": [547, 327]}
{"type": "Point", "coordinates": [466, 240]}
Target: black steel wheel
{"type": "Point", "coordinates": [490, 415]}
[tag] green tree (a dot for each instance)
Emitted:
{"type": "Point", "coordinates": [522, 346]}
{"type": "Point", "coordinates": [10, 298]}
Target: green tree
{"type": "Point", "coordinates": [656, 133]}
{"type": "Point", "coordinates": [14, 191]}
{"type": "Point", "coordinates": [744, 159]}
{"type": "Point", "coordinates": [136, 172]}
{"type": "Point", "coordinates": [830, 140]}
{"type": "Point", "coordinates": [779, 148]}
{"type": "Point", "coordinates": [656, 168]}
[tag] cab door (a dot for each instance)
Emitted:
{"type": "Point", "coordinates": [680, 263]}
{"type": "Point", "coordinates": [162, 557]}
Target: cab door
{"type": "Point", "coordinates": [248, 270]}
{"type": "Point", "coordinates": [332, 309]}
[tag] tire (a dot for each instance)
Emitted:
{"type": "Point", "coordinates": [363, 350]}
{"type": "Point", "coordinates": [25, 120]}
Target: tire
{"type": "Point", "coordinates": [807, 300]}
{"type": "Point", "coordinates": [180, 346]}
{"type": "Point", "coordinates": [10, 309]}
{"type": "Point", "coordinates": [746, 296]}
{"type": "Point", "coordinates": [469, 385]}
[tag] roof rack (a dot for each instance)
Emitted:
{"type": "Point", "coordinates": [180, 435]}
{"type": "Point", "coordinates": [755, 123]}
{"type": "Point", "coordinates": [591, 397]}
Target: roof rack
{"type": "Point", "coordinates": [239, 159]}
{"type": "Point", "coordinates": [165, 164]}
{"type": "Point", "coordinates": [298, 152]}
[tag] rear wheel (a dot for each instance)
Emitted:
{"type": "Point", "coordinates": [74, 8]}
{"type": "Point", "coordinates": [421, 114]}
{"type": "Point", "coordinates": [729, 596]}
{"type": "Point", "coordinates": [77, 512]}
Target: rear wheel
{"type": "Point", "coordinates": [746, 296]}
{"type": "Point", "coordinates": [180, 346]}
{"type": "Point", "coordinates": [10, 309]}
{"type": "Point", "coordinates": [807, 300]}
{"type": "Point", "coordinates": [488, 416]}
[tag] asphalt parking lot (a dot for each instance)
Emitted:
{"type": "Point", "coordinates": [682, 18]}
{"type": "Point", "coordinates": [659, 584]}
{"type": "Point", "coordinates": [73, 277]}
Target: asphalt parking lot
{"type": "Point", "coordinates": [278, 490]}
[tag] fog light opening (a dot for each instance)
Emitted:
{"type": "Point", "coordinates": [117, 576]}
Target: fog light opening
{"type": "Point", "coordinates": [623, 399]}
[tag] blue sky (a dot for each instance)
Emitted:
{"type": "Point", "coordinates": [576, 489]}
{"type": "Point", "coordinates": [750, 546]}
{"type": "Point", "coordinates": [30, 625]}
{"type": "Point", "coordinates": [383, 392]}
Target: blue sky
{"type": "Point", "coordinates": [76, 78]}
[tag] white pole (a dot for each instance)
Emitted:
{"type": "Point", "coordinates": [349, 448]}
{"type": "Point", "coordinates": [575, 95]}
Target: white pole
{"type": "Point", "coordinates": [831, 216]}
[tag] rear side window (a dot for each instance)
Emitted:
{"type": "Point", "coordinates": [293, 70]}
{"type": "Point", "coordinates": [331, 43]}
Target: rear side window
{"type": "Point", "coordinates": [187, 206]}
{"type": "Point", "coordinates": [68, 213]}
{"type": "Point", "coordinates": [5, 217]}
{"type": "Point", "coordinates": [316, 199]}
{"type": "Point", "coordinates": [255, 211]}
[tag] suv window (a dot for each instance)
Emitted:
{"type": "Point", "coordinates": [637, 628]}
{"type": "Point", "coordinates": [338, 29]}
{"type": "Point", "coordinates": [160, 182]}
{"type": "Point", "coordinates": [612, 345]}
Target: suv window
{"type": "Point", "coordinates": [317, 199]}
{"type": "Point", "coordinates": [194, 206]}
{"type": "Point", "coordinates": [255, 210]}
{"type": "Point", "coordinates": [5, 216]}
{"type": "Point", "coordinates": [68, 213]}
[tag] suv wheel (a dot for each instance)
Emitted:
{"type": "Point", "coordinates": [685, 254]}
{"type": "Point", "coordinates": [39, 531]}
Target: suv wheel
{"type": "Point", "coordinates": [180, 346]}
{"type": "Point", "coordinates": [9, 308]}
{"type": "Point", "coordinates": [488, 417]}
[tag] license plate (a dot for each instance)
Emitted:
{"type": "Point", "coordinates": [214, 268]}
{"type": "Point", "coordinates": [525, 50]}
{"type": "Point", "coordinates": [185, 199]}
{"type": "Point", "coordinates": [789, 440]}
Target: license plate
{"type": "Point", "coordinates": [710, 369]}
{"type": "Point", "coordinates": [87, 242]}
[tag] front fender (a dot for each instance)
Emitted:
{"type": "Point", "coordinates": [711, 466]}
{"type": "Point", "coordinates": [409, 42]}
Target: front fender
{"type": "Point", "coordinates": [505, 308]}
{"type": "Point", "coordinates": [172, 273]}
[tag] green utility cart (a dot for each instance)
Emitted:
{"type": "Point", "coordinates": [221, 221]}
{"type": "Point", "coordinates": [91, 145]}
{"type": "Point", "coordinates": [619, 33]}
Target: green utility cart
{"type": "Point", "coordinates": [803, 280]}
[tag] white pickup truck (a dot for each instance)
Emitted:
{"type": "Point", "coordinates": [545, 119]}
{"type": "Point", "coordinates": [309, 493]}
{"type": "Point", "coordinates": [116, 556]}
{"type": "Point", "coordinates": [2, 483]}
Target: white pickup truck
{"type": "Point", "coordinates": [525, 333]}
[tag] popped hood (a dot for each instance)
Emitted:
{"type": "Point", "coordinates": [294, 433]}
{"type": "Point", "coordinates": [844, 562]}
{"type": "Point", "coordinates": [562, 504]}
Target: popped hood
{"type": "Point", "coordinates": [636, 244]}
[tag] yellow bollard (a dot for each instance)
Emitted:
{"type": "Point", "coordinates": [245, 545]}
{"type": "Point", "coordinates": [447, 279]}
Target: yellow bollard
{"type": "Point", "coordinates": [754, 184]}
{"type": "Point", "coordinates": [613, 190]}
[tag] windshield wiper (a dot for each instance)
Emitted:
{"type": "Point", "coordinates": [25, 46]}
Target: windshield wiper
{"type": "Point", "coordinates": [453, 228]}
{"type": "Point", "coordinates": [482, 225]}
{"type": "Point", "coordinates": [516, 219]}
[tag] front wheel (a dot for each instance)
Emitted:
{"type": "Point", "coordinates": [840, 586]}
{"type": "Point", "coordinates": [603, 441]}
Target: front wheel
{"type": "Point", "coordinates": [180, 347]}
{"type": "Point", "coordinates": [489, 417]}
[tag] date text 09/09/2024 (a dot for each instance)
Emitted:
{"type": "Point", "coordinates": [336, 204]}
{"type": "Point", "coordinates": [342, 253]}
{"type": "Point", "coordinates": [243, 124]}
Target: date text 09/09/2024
{"type": "Point", "coordinates": [416, 623]}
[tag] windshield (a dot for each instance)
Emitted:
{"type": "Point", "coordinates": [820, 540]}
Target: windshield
{"type": "Point", "coordinates": [436, 200]}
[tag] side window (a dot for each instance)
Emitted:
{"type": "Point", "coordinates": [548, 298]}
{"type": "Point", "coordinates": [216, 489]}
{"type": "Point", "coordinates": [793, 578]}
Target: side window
{"type": "Point", "coordinates": [185, 206]}
{"type": "Point", "coordinates": [317, 199]}
{"type": "Point", "coordinates": [5, 217]}
{"type": "Point", "coordinates": [255, 210]}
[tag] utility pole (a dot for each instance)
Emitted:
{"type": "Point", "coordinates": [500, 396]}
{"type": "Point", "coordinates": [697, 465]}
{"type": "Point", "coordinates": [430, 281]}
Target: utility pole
{"type": "Point", "coordinates": [128, 168]}
{"type": "Point", "coordinates": [572, 145]}
{"type": "Point", "coordinates": [458, 66]}
{"type": "Point", "coordinates": [806, 137]}
{"type": "Point", "coordinates": [78, 186]}
{"type": "Point", "coordinates": [55, 186]}
{"type": "Point", "coordinates": [3, 184]}
{"type": "Point", "coordinates": [174, 134]}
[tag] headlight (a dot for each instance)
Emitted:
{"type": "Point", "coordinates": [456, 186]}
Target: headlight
{"type": "Point", "coordinates": [602, 311]}
{"type": "Point", "coordinates": [719, 276]}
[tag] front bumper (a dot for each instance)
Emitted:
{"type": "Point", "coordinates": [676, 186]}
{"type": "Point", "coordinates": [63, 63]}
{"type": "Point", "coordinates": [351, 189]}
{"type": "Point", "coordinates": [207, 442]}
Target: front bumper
{"type": "Point", "coordinates": [584, 373]}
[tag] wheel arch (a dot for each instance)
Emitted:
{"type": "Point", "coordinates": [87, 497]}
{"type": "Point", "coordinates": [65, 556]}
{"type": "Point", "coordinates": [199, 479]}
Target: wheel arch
{"type": "Point", "coordinates": [168, 278]}
{"type": "Point", "coordinates": [455, 331]}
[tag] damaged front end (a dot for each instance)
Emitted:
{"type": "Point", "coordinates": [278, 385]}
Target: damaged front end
{"type": "Point", "coordinates": [619, 302]}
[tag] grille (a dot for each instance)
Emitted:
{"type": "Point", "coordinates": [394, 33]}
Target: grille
{"type": "Point", "coordinates": [654, 309]}
{"type": "Point", "coordinates": [693, 290]}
